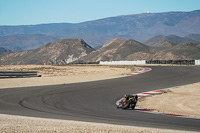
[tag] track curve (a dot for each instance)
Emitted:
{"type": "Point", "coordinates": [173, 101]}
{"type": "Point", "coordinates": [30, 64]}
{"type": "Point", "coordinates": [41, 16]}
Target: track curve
{"type": "Point", "coordinates": [95, 101]}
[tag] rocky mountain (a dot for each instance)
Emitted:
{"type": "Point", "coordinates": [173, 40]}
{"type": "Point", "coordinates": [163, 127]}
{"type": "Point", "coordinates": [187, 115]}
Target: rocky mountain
{"type": "Point", "coordinates": [158, 40]}
{"type": "Point", "coordinates": [139, 27]}
{"type": "Point", "coordinates": [77, 51]}
{"type": "Point", "coordinates": [23, 42]}
{"type": "Point", "coordinates": [165, 44]}
{"type": "Point", "coordinates": [116, 49]}
{"type": "Point", "coordinates": [3, 51]}
{"type": "Point", "coordinates": [56, 53]}
{"type": "Point", "coordinates": [121, 49]}
{"type": "Point", "coordinates": [185, 51]}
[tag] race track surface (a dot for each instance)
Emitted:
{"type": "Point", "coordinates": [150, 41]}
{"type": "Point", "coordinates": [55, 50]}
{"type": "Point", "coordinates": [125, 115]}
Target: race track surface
{"type": "Point", "coordinates": [95, 101]}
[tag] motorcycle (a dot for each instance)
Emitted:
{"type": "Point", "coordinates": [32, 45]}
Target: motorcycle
{"type": "Point", "coordinates": [128, 102]}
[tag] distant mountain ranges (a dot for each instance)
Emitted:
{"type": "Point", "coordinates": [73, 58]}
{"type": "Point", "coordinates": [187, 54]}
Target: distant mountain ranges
{"type": "Point", "coordinates": [3, 50]}
{"type": "Point", "coordinates": [25, 42]}
{"type": "Point", "coordinates": [173, 35]}
{"type": "Point", "coordinates": [138, 27]}
{"type": "Point", "coordinates": [68, 51]}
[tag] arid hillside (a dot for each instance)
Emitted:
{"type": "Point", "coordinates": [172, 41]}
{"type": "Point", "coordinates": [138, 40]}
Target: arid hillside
{"type": "Point", "coordinates": [56, 53]}
{"type": "Point", "coordinates": [121, 49]}
{"type": "Point", "coordinates": [78, 51]}
{"type": "Point", "coordinates": [116, 49]}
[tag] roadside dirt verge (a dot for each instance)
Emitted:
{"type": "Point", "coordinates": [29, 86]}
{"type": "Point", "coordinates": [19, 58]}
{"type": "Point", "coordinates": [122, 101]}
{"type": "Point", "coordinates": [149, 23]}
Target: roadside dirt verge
{"type": "Point", "coordinates": [184, 100]}
{"type": "Point", "coordinates": [52, 75]}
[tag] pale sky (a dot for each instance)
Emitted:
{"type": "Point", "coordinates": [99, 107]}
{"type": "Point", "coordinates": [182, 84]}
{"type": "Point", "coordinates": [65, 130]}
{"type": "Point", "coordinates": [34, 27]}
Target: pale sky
{"type": "Point", "coordinates": [26, 12]}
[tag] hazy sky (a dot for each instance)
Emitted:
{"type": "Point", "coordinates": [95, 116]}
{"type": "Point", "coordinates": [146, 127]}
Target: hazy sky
{"type": "Point", "coordinates": [25, 12]}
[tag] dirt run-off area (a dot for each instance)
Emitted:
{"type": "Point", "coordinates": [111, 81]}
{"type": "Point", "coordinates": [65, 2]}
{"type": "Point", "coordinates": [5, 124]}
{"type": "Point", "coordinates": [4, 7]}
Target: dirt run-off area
{"type": "Point", "coordinates": [52, 75]}
{"type": "Point", "coordinates": [183, 100]}
{"type": "Point", "coordinates": [178, 99]}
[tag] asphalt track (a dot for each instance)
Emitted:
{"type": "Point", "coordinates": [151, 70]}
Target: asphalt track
{"type": "Point", "coordinates": [95, 101]}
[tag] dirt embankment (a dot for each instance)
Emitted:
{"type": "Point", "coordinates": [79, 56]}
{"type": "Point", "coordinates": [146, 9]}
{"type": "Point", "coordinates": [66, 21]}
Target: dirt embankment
{"type": "Point", "coordinates": [184, 100]}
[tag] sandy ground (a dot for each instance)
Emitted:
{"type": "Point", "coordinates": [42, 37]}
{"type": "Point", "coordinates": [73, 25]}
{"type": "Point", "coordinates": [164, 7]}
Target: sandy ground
{"type": "Point", "coordinates": [71, 74]}
{"type": "Point", "coordinates": [52, 75]}
{"type": "Point", "coordinates": [184, 100]}
{"type": "Point", "coordinates": [18, 124]}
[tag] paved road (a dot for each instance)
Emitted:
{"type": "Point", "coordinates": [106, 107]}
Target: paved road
{"type": "Point", "coordinates": [95, 101]}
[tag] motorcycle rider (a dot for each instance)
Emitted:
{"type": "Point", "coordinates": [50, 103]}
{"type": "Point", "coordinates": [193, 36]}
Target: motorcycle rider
{"type": "Point", "coordinates": [127, 100]}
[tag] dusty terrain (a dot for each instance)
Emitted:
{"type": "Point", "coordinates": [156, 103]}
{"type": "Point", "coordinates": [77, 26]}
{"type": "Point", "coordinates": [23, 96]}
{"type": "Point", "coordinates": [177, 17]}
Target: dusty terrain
{"type": "Point", "coordinates": [18, 124]}
{"type": "Point", "coordinates": [71, 74]}
{"type": "Point", "coordinates": [184, 100]}
{"type": "Point", "coordinates": [52, 75]}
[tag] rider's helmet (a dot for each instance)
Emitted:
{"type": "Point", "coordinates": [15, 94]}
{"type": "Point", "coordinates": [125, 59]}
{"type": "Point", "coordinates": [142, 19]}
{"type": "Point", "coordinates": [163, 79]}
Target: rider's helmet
{"type": "Point", "coordinates": [131, 99]}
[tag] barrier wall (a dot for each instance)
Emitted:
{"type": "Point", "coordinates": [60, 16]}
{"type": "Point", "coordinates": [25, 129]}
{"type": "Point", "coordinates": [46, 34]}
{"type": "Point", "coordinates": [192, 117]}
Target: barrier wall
{"type": "Point", "coordinates": [176, 62]}
{"type": "Point", "coordinates": [140, 62]}
{"type": "Point", "coordinates": [197, 62]}
{"type": "Point", "coordinates": [17, 74]}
